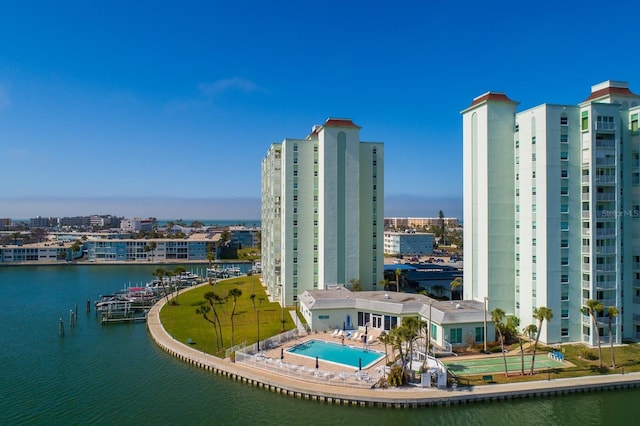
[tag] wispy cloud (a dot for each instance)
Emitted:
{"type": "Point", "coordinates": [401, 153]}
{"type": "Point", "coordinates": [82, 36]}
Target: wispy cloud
{"type": "Point", "coordinates": [4, 98]}
{"type": "Point", "coordinates": [228, 84]}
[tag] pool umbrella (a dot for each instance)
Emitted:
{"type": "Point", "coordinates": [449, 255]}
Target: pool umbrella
{"type": "Point", "coordinates": [316, 362]}
{"type": "Point", "coordinates": [281, 353]}
{"type": "Point", "coordinates": [359, 363]}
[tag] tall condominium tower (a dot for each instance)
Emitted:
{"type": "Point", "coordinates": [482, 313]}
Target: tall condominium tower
{"type": "Point", "coordinates": [551, 211]}
{"type": "Point", "coordinates": [322, 212]}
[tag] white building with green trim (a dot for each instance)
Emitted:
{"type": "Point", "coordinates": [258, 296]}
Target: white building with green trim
{"type": "Point", "coordinates": [453, 323]}
{"type": "Point", "coordinates": [322, 212]}
{"type": "Point", "coordinates": [551, 210]}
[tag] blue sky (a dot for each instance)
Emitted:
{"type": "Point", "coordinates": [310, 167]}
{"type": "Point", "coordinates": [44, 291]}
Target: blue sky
{"type": "Point", "coordinates": [166, 109]}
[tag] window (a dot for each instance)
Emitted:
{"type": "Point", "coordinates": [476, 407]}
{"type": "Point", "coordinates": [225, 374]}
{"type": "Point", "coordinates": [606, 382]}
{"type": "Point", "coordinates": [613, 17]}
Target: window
{"type": "Point", "coordinates": [564, 138]}
{"type": "Point", "coordinates": [295, 147]}
{"type": "Point", "coordinates": [605, 123]}
{"type": "Point", "coordinates": [564, 121]}
{"type": "Point", "coordinates": [564, 173]}
{"type": "Point", "coordinates": [634, 122]}
{"type": "Point", "coordinates": [584, 124]}
{"type": "Point", "coordinates": [455, 336]}
{"type": "Point", "coordinates": [479, 334]}
{"type": "Point", "coordinates": [434, 331]}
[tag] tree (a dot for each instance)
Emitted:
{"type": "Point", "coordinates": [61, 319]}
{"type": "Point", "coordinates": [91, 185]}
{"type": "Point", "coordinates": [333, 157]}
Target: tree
{"type": "Point", "coordinates": [455, 284]}
{"type": "Point", "coordinates": [212, 298]}
{"type": "Point", "coordinates": [151, 247]}
{"type": "Point", "coordinates": [541, 314]}
{"type": "Point", "coordinates": [355, 285]}
{"type": "Point", "coordinates": [413, 327]}
{"type": "Point", "coordinates": [612, 312]}
{"type": "Point", "coordinates": [177, 271]}
{"type": "Point", "coordinates": [398, 275]}
{"type": "Point", "coordinates": [386, 339]}
{"type": "Point", "coordinates": [160, 274]}
{"type": "Point", "coordinates": [441, 225]}
{"type": "Point", "coordinates": [170, 225]}
{"type": "Point", "coordinates": [204, 311]}
{"type": "Point", "coordinates": [593, 306]}
{"type": "Point", "coordinates": [234, 293]}
{"type": "Point", "coordinates": [211, 256]}
{"type": "Point", "coordinates": [497, 315]}
{"type": "Point", "coordinates": [439, 289]}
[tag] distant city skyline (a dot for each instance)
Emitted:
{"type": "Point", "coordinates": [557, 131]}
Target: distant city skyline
{"type": "Point", "coordinates": [213, 208]}
{"type": "Point", "coordinates": [102, 105]}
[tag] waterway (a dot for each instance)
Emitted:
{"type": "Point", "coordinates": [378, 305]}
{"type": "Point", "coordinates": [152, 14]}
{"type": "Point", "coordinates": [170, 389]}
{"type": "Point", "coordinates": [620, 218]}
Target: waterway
{"type": "Point", "coordinates": [105, 375]}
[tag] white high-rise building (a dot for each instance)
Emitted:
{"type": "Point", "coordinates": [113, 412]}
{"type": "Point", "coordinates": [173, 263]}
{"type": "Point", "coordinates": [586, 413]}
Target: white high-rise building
{"type": "Point", "coordinates": [551, 210]}
{"type": "Point", "coordinates": [322, 212]}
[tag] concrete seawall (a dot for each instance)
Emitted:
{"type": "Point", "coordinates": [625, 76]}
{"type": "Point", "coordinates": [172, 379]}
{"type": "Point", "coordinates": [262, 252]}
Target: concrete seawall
{"type": "Point", "coordinates": [390, 397]}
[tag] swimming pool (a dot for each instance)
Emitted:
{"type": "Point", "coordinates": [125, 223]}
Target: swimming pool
{"type": "Point", "coordinates": [336, 353]}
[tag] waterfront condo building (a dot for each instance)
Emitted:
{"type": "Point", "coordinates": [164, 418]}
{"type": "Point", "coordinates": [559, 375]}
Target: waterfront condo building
{"type": "Point", "coordinates": [551, 206]}
{"type": "Point", "coordinates": [322, 212]}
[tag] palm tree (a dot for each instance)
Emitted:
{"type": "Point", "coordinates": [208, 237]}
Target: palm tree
{"type": "Point", "coordinates": [204, 311]}
{"type": "Point", "coordinates": [151, 247]}
{"type": "Point", "coordinates": [160, 273]}
{"type": "Point", "coordinates": [542, 313]}
{"type": "Point", "coordinates": [455, 284]}
{"type": "Point", "coordinates": [398, 274]}
{"type": "Point", "coordinates": [177, 271]}
{"type": "Point", "coordinates": [497, 315]}
{"type": "Point", "coordinates": [212, 298]}
{"type": "Point", "coordinates": [234, 293]}
{"type": "Point", "coordinates": [170, 225]}
{"type": "Point", "coordinates": [593, 306]}
{"type": "Point", "coordinates": [386, 339]}
{"type": "Point", "coordinates": [413, 326]}
{"type": "Point", "coordinates": [612, 312]}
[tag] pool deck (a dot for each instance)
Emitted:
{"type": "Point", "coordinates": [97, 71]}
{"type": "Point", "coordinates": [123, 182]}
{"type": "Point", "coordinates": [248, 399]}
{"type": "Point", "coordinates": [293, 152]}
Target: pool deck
{"type": "Point", "coordinates": [408, 396]}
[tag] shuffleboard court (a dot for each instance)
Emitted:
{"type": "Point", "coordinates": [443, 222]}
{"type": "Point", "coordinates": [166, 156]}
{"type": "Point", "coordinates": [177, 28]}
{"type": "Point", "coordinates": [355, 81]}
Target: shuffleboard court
{"type": "Point", "coordinates": [496, 364]}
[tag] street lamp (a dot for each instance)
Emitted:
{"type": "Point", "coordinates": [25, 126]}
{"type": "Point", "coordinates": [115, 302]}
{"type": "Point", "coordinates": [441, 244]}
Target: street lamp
{"type": "Point", "coordinates": [485, 323]}
{"type": "Point", "coordinates": [429, 332]}
{"type": "Point", "coordinates": [258, 314]}
{"type": "Point", "coordinates": [282, 306]}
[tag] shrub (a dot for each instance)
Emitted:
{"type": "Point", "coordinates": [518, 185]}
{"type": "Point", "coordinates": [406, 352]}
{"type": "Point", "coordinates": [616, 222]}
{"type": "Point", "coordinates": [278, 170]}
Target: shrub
{"type": "Point", "coordinates": [589, 354]}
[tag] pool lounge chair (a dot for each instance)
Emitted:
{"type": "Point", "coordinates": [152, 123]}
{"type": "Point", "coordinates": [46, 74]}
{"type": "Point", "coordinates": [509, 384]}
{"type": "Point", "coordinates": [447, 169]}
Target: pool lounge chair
{"type": "Point", "coordinates": [335, 332]}
{"type": "Point", "coordinates": [355, 336]}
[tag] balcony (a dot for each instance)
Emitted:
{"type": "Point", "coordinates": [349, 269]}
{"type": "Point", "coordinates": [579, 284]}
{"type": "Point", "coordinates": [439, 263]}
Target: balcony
{"type": "Point", "coordinates": [606, 268]}
{"type": "Point", "coordinates": [605, 233]}
{"type": "Point", "coordinates": [607, 196]}
{"type": "Point", "coordinates": [605, 125]}
{"type": "Point", "coordinates": [605, 161]}
{"type": "Point", "coordinates": [605, 180]}
{"type": "Point", "coordinates": [606, 285]}
{"type": "Point", "coordinates": [606, 250]}
{"type": "Point", "coordinates": [606, 144]}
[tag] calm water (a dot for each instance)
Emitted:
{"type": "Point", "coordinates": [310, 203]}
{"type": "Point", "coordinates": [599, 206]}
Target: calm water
{"type": "Point", "coordinates": [114, 374]}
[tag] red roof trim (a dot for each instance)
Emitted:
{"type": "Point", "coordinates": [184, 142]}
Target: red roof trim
{"type": "Point", "coordinates": [339, 122]}
{"type": "Point", "coordinates": [491, 96]}
{"type": "Point", "coordinates": [610, 91]}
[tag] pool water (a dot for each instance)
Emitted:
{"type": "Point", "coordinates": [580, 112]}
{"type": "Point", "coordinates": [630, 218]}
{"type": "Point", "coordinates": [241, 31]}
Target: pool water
{"type": "Point", "coordinates": [337, 353]}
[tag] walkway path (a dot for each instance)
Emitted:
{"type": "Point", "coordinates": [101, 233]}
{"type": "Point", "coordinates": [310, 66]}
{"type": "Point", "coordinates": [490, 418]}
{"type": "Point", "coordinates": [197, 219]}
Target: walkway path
{"type": "Point", "coordinates": [398, 397]}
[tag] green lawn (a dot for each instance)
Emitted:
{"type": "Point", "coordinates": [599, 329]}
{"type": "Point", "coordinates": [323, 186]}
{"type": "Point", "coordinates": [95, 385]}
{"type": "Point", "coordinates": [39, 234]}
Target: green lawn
{"type": "Point", "coordinates": [182, 322]}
